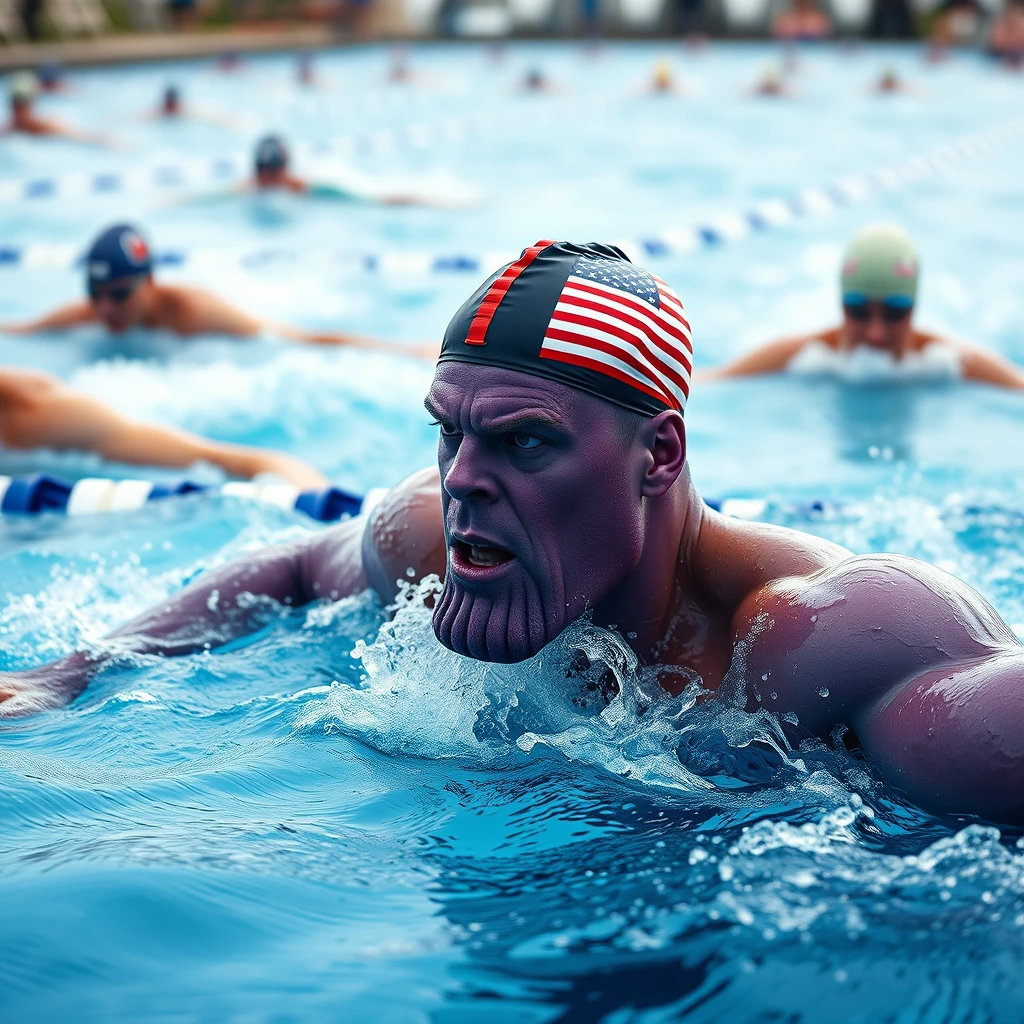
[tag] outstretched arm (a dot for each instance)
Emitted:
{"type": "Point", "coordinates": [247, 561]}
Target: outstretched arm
{"type": "Point", "coordinates": [426, 350]}
{"type": "Point", "coordinates": [771, 358]}
{"type": "Point", "coordinates": [404, 532]}
{"type": "Point", "coordinates": [37, 411]}
{"type": "Point", "coordinates": [59, 320]}
{"type": "Point", "coordinates": [989, 368]}
{"type": "Point", "coordinates": [225, 604]}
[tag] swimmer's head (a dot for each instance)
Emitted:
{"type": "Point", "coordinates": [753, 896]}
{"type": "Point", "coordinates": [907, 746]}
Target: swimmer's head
{"type": "Point", "coordinates": [662, 76]}
{"type": "Point", "coordinates": [24, 87]}
{"type": "Point", "coordinates": [879, 287]}
{"type": "Point", "coordinates": [535, 79]}
{"type": "Point", "coordinates": [559, 395]}
{"type": "Point", "coordinates": [50, 75]}
{"type": "Point", "coordinates": [118, 276]}
{"type": "Point", "coordinates": [271, 161]}
{"type": "Point", "coordinates": [171, 103]}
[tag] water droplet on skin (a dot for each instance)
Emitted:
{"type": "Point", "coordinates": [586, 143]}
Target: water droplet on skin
{"type": "Point", "coordinates": [764, 678]}
{"type": "Point", "coordinates": [775, 696]}
{"type": "Point", "coordinates": [822, 691]}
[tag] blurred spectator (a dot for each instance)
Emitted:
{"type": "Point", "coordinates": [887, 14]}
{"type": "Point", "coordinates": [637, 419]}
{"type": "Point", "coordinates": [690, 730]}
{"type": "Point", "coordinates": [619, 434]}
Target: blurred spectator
{"type": "Point", "coordinates": [689, 17]}
{"type": "Point", "coordinates": [1006, 36]}
{"type": "Point", "coordinates": [957, 23]}
{"type": "Point", "coordinates": [590, 14]}
{"type": "Point", "coordinates": [183, 14]}
{"type": "Point", "coordinates": [31, 10]}
{"type": "Point", "coordinates": [891, 19]}
{"type": "Point", "coordinates": [802, 21]}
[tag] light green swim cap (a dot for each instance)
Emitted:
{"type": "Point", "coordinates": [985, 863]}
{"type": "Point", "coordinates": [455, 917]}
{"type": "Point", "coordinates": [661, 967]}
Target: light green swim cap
{"type": "Point", "coordinates": [24, 86]}
{"type": "Point", "coordinates": [881, 263]}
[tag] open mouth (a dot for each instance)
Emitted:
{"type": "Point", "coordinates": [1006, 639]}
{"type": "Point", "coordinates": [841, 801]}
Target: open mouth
{"type": "Point", "coordinates": [478, 557]}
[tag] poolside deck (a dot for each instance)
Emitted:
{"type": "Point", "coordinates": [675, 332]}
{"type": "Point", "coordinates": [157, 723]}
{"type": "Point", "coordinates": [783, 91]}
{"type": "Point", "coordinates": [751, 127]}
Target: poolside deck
{"type": "Point", "coordinates": [140, 46]}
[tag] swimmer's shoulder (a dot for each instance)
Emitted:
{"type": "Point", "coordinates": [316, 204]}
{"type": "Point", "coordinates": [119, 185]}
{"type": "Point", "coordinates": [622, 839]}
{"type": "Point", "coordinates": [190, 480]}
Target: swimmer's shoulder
{"type": "Point", "coordinates": [404, 535]}
{"type": "Point", "coordinates": [736, 560]}
{"type": "Point", "coordinates": [831, 643]}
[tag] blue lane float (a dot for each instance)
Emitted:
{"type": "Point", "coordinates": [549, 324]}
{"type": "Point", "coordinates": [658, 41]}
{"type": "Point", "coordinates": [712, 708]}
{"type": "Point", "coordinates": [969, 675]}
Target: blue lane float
{"type": "Point", "coordinates": [730, 227]}
{"type": "Point", "coordinates": [40, 492]}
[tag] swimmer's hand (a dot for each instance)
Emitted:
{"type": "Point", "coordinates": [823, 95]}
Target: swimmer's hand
{"type": "Point", "coordinates": [47, 687]}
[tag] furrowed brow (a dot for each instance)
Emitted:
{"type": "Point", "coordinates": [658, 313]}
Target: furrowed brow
{"type": "Point", "coordinates": [522, 421]}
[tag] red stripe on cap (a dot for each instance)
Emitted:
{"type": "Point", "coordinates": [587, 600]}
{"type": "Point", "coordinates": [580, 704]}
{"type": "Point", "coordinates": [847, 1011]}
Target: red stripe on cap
{"type": "Point", "coordinates": [492, 300]}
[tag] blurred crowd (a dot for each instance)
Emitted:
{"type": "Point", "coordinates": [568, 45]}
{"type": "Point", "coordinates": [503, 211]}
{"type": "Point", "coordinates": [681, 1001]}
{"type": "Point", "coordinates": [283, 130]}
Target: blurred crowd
{"type": "Point", "coordinates": [995, 25]}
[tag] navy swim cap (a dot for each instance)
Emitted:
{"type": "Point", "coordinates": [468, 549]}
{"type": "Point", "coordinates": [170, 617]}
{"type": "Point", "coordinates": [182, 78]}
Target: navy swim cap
{"type": "Point", "coordinates": [581, 315]}
{"type": "Point", "coordinates": [118, 252]}
{"type": "Point", "coordinates": [271, 154]}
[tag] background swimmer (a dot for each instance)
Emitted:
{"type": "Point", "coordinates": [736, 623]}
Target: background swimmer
{"type": "Point", "coordinates": [879, 289]}
{"type": "Point", "coordinates": [123, 295]}
{"type": "Point", "coordinates": [272, 172]}
{"type": "Point", "coordinates": [24, 88]}
{"type": "Point", "coordinates": [39, 411]}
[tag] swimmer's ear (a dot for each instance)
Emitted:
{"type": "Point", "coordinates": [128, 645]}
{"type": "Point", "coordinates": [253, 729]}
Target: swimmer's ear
{"type": "Point", "coordinates": [664, 437]}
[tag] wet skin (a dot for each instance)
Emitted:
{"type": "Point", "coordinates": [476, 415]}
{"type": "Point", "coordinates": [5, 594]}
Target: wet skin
{"type": "Point", "coordinates": [544, 509]}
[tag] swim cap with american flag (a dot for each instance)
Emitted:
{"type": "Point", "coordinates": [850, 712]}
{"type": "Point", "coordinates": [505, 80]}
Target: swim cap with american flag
{"type": "Point", "coordinates": [581, 315]}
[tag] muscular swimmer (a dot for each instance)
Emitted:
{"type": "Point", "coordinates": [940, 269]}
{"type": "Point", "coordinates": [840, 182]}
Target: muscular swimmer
{"type": "Point", "coordinates": [123, 295]}
{"type": "Point", "coordinates": [879, 288]}
{"type": "Point", "coordinates": [564, 489]}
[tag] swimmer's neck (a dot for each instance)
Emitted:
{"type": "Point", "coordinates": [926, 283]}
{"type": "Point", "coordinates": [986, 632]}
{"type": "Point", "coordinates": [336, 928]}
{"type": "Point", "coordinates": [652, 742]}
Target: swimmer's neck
{"type": "Point", "coordinates": [643, 606]}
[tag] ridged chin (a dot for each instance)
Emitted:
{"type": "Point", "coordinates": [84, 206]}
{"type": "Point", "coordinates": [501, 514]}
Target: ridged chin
{"type": "Point", "coordinates": [507, 627]}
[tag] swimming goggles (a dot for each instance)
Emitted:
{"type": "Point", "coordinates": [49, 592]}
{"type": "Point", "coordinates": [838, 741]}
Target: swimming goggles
{"type": "Point", "coordinates": [894, 307]}
{"type": "Point", "coordinates": [119, 294]}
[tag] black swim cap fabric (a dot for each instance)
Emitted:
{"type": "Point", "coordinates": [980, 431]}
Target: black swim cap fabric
{"type": "Point", "coordinates": [520, 333]}
{"type": "Point", "coordinates": [271, 154]}
{"type": "Point", "coordinates": [117, 253]}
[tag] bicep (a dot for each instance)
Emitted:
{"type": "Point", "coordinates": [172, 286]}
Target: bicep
{"type": "Point", "coordinates": [952, 738]}
{"type": "Point", "coordinates": [828, 646]}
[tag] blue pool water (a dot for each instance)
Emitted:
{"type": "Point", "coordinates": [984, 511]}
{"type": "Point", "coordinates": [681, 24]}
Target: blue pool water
{"type": "Point", "coordinates": [339, 819]}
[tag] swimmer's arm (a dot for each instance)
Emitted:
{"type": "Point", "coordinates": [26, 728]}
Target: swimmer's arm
{"type": "Point", "coordinates": [881, 646]}
{"type": "Point", "coordinates": [37, 411]}
{"type": "Point", "coordinates": [194, 311]}
{"type": "Point", "coordinates": [223, 605]}
{"type": "Point", "coordinates": [771, 358]}
{"type": "Point", "coordinates": [989, 368]}
{"type": "Point", "coordinates": [426, 350]}
{"type": "Point", "coordinates": [72, 315]}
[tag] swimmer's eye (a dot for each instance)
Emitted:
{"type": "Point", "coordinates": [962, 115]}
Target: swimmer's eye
{"type": "Point", "coordinates": [524, 442]}
{"type": "Point", "coordinates": [447, 430]}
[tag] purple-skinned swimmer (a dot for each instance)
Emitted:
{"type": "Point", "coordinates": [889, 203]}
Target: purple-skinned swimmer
{"type": "Point", "coordinates": [559, 492]}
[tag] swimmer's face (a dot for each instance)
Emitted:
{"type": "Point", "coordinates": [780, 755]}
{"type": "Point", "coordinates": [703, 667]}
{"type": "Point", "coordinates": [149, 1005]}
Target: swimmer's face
{"type": "Point", "coordinates": [271, 177]}
{"type": "Point", "coordinates": [877, 326]}
{"type": "Point", "coordinates": [121, 304]}
{"type": "Point", "coordinates": [542, 508]}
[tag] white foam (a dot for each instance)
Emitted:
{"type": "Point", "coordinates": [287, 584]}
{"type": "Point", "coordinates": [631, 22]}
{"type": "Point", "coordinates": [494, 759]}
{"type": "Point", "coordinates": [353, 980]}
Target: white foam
{"type": "Point", "coordinates": [936, 362]}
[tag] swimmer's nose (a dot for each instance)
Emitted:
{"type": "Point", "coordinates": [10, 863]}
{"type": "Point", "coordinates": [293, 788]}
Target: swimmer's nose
{"type": "Point", "coordinates": [876, 334]}
{"type": "Point", "coordinates": [467, 476]}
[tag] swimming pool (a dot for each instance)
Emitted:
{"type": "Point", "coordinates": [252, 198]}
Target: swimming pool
{"type": "Point", "coordinates": [340, 819]}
